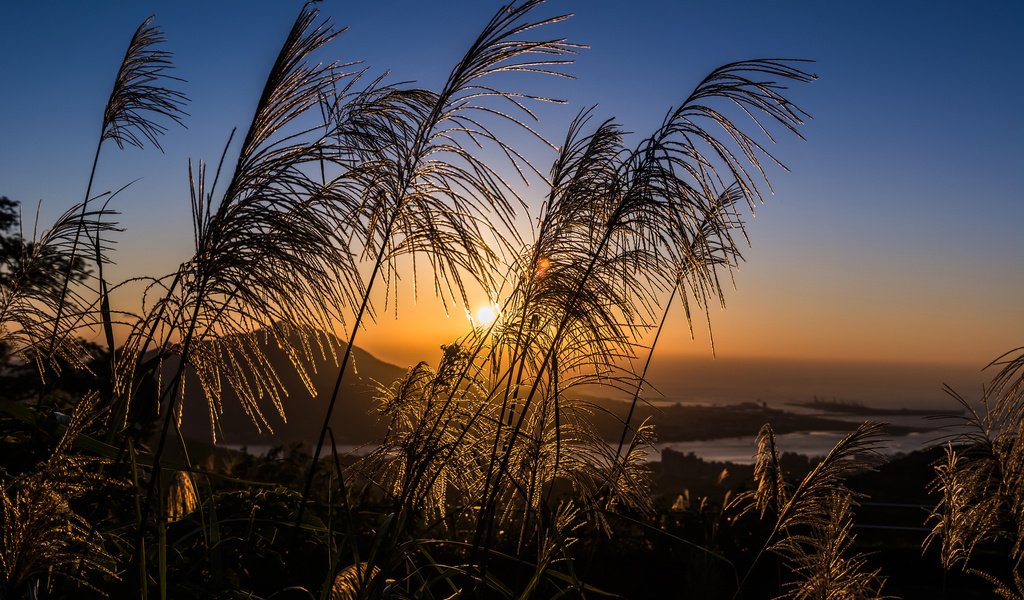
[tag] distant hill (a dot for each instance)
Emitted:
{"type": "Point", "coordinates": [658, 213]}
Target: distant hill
{"type": "Point", "coordinates": [353, 420]}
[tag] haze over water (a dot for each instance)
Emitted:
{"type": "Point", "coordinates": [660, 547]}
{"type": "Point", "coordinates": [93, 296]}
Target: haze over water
{"type": "Point", "coordinates": [778, 381]}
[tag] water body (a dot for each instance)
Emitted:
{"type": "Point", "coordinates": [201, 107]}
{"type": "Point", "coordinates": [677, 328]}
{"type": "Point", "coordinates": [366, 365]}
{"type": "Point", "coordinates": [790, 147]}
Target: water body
{"type": "Point", "coordinates": [818, 443]}
{"type": "Point", "coordinates": [741, 450]}
{"type": "Point", "coordinates": [777, 383]}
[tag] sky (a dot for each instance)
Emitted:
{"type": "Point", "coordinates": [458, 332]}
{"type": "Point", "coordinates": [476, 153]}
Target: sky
{"type": "Point", "coordinates": [895, 236]}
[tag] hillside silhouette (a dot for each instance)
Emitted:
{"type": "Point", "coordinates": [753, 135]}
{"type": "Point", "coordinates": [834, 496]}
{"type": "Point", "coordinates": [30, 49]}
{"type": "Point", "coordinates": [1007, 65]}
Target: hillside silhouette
{"type": "Point", "coordinates": [353, 421]}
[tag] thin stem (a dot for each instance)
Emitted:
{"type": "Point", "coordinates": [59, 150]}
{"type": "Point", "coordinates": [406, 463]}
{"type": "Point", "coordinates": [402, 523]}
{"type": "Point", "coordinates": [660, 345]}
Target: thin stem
{"type": "Point", "coordinates": [172, 398]}
{"type": "Point", "coordinates": [74, 245]}
{"type": "Point", "coordinates": [308, 486]}
{"type": "Point", "coordinates": [643, 375]}
{"type": "Point", "coordinates": [487, 511]}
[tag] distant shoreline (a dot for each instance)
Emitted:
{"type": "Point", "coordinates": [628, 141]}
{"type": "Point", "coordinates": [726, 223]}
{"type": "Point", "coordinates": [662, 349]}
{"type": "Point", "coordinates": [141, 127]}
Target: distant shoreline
{"type": "Point", "coordinates": [683, 423]}
{"type": "Point", "coordinates": [858, 408]}
{"type": "Point", "coordinates": [675, 423]}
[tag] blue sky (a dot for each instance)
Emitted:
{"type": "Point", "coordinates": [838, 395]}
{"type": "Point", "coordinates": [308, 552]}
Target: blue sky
{"type": "Point", "coordinates": [897, 235]}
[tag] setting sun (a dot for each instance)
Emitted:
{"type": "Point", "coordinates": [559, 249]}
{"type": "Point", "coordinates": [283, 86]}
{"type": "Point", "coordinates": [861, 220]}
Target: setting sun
{"type": "Point", "coordinates": [485, 315]}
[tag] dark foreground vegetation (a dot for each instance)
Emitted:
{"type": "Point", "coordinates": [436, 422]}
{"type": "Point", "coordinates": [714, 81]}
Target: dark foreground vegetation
{"type": "Point", "coordinates": [490, 480]}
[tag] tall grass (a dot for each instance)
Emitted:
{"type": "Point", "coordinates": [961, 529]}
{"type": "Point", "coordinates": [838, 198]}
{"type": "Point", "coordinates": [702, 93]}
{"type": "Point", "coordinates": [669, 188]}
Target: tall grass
{"type": "Point", "coordinates": [492, 480]}
{"type": "Point", "coordinates": [421, 190]}
{"type": "Point", "coordinates": [42, 533]}
{"type": "Point", "coordinates": [810, 522]}
{"type": "Point", "coordinates": [980, 483]}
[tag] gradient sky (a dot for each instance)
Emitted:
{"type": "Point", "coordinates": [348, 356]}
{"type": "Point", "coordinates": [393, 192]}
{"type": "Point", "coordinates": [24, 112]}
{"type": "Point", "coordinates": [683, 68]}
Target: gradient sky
{"type": "Point", "coordinates": [898, 235]}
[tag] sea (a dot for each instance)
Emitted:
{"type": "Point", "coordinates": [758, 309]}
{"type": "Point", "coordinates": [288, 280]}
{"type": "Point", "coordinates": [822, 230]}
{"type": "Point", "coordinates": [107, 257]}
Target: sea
{"type": "Point", "coordinates": [781, 384]}
{"type": "Point", "coordinates": [740, 450]}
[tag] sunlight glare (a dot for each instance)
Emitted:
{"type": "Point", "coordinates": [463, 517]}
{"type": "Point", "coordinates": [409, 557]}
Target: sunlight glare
{"type": "Point", "coordinates": [543, 264]}
{"type": "Point", "coordinates": [485, 315]}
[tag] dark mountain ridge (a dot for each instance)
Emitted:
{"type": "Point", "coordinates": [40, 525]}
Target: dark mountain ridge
{"type": "Point", "coordinates": [353, 420]}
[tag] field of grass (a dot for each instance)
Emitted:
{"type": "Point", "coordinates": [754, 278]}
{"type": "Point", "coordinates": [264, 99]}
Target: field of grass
{"type": "Point", "coordinates": [490, 478]}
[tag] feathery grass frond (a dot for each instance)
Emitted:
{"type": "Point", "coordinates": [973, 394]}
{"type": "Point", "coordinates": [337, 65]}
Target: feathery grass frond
{"type": "Point", "coordinates": [808, 503]}
{"type": "Point", "coordinates": [1009, 380]}
{"type": "Point", "coordinates": [664, 210]}
{"type": "Point", "coordinates": [629, 474]}
{"type": "Point", "coordinates": [772, 490]}
{"type": "Point", "coordinates": [139, 97]}
{"type": "Point", "coordinates": [136, 103]}
{"type": "Point", "coordinates": [981, 480]}
{"type": "Point", "coordinates": [556, 302]}
{"type": "Point", "coordinates": [691, 138]}
{"type": "Point", "coordinates": [824, 560]}
{"type": "Point", "coordinates": [32, 299]}
{"type": "Point", "coordinates": [182, 498]}
{"type": "Point", "coordinates": [553, 281]}
{"type": "Point", "coordinates": [554, 543]}
{"type": "Point", "coordinates": [351, 581]}
{"type": "Point", "coordinates": [808, 506]}
{"type": "Point", "coordinates": [697, 259]}
{"type": "Point", "coordinates": [1006, 591]}
{"type": "Point", "coordinates": [40, 531]}
{"type": "Point", "coordinates": [424, 191]}
{"type": "Point", "coordinates": [429, 459]}
{"type": "Point", "coordinates": [653, 218]}
{"type": "Point", "coordinates": [968, 511]}
{"type": "Point", "coordinates": [272, 263]}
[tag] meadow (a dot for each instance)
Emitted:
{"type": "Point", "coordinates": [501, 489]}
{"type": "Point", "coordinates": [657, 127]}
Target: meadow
{"type": "Point", "coordinates": [491, 479]}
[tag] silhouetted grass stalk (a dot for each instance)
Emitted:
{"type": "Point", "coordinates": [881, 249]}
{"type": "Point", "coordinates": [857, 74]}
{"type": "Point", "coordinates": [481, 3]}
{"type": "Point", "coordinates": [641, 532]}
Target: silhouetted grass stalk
{"type": "Point", "coordinates": [494, 50]}
{"type": "Point", "coordinates": [136, 100]}
{"type": "Point", "coordinates": [648, 186]}
{"type": "Point", "coordinates": [980, 481]}
{"type": "Point", "coordinates": [485, 440]}
{"type": "Point", "coordinates": [809, 505]}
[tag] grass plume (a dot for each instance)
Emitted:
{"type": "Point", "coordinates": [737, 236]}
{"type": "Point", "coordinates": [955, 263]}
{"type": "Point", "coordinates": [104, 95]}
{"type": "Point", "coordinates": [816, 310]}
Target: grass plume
{"type": "Point", "coordinates": [980, 482]}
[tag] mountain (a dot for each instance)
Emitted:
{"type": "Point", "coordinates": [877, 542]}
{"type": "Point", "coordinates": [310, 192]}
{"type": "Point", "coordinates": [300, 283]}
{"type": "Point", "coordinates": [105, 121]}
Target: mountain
{"type": "Point", "coordinates": [352, 422]}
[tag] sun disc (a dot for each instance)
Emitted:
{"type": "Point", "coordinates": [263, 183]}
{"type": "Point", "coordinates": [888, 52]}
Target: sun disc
{"type": "Point", "coordinates": [485, 315]}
